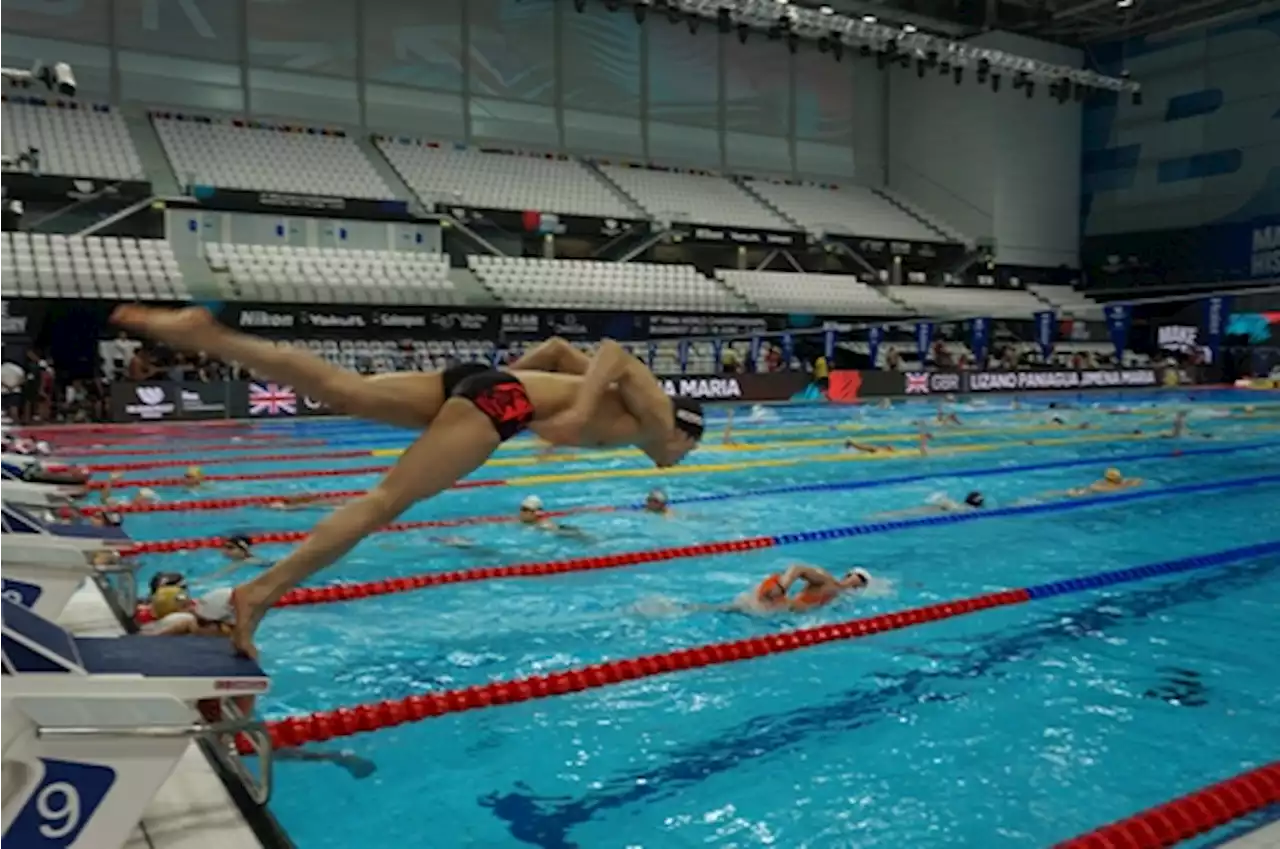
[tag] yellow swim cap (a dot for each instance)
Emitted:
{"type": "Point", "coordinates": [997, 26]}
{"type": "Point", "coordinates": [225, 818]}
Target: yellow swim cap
{"type": "Point", "coordinates": [1113, 476]}
{"type": "Point", "coordinates": [168, 600]}
{"type": "Point", "coordinates": [195, 472]}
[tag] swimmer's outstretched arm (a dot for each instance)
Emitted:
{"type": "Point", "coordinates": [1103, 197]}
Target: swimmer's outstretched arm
{"type": "Point", "coordinates": [811, 575]}
{"type": "Point", "coordinates": [555, 354]}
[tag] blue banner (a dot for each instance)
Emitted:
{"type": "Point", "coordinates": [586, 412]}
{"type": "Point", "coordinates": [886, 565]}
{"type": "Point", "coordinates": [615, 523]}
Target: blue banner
{"type": "Point", "coordinates": [829, 347]}
{"type": "Point", "coordinates": [924, 337]}
{"type": "Point", "coordinates": [1118, 318]}
{"type": "Point", "coordinates": [754, 363]}
{"type": "Point", "coordinates": [651, 356]}
{"type": "Point", "coordinates": [717, 354]}
{"type": "Point", "coordinates": [788, 350]}
{"type": "Point", "coordinates": [1046, 324]}
{"type": "Point", "coordinates": [875, 335]}
{"type": "Point", "coordinates": [981, 328]}
{"type": "Point", "coordinates": [682, 350]}
{"type": "Point", "coordinates": [1217, 312]}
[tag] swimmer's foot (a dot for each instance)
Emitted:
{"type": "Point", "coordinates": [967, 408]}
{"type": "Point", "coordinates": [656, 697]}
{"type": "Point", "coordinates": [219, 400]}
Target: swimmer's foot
{"type": "Point", "coordinates": [249, 604]}
{"type": "Point", "coordinates": [358, 767]}
{"type": "Point", "coordinates": [187, 329]}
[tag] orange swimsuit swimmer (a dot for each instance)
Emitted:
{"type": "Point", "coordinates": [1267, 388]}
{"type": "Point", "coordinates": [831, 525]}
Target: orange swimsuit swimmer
{"type": "Point", "coordinates": [808, 598]}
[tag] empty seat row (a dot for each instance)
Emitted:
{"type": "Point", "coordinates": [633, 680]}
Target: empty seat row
{"type": "Point", "coordinates": [963, 302]}
{"type": "Point", "coordinates": [697, 198]}
{"type": "Point", "coordinates": [836, 294]}
{"type": "Point", "coordinates": [38, 265]}
{"type": "Point", "coordinates": [72, 139]}
{"type": "Point", "coordinates": [848, 210]}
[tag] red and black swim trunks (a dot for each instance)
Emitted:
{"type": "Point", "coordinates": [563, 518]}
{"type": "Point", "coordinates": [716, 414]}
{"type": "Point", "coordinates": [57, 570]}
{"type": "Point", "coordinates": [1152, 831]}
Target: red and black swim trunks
{"type": "Point", "coordinates": [497, 394]}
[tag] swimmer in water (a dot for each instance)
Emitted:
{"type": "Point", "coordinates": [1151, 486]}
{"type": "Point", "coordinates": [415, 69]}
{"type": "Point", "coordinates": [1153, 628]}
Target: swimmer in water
{"type": "Point", "coordinates": [532, 515]}
{"type": "Point", "coordinates": [820, 589]}
{"type": "Point", "coordinates": [973, 501]}
{"type": "Point", "coordinates": [727, 437]}
{"type": "Point", "coordinates": [317, 501]}
{"type": "Point", "coordinates": [193, 477]}
{"type": "Point", "coordinates": [1061, 422]}
{"type": "Point", "coordinates": [945, 418]}
{"type": "Point", "coordinates": [869, 448]}
{"type": "Point", "coordinates": [238, 549]}
{"type": "Point", "coordinates": [463, 415]}
{"type": "Point", "coordinates": [1111, 481]}
{"type": "Point", "coordinates": [656, 502]}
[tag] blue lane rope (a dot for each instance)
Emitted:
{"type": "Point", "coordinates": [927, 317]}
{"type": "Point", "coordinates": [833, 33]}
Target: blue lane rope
{"type": "Point", "coordinates": [1026, 510]}
{"type": "Point", "coordinates": [991, 471]}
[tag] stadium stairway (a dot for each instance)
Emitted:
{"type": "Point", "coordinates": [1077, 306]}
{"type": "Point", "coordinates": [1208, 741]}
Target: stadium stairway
{"type": "Point", "coordinates": [472, 291]}
{"type": "Point", "coordinates": [155, 164]}
{"type": "Point", "coordinates": [389, 174]}
{"type": "Point", "coordinates": [944, 232]}
{"type": "Point", "coordinates": [745, 185]}
{"type": "Point", "coordinates": [595, 171]}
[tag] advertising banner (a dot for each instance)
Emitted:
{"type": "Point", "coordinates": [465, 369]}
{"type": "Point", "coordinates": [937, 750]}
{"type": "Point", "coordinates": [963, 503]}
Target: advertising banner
{"type": "Point", "coordinates": [360, 321]}
{"type": "Point", "coordinates": [533, 221]}
{"type": "Point", "coordinates": [920, 253]}
{"type": "Point", "coordinates": [931, 382]}
{"type": "Point", "coordinates": [167, 400]}
{"type": "Point", "coordinates": [1032, 381]}
{"type": "Point", "coordinates": [278, 203]}
{"type": "Point", "coordinates": [924, 337]}
{"type": "Point", "coordinates": [739, 236]}
{"type": "Point", "coordinates": [875, 335]}
{"type": "Point", "coordinates": [1119, 317]}
{"type": "Point", "coordinates": [1217, 310]}
{"type": "Point", "coordinates": [779, 386]}
{"type": "Point", "coordinates": [981, 332]}
{"type": "Point", "coordinates": [1046, 324]}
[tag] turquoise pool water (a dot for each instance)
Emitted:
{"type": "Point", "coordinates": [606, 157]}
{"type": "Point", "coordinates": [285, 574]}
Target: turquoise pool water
{"type": "Point", "coordinates": [1014, 727]}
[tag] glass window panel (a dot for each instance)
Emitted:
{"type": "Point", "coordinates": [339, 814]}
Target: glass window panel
{"type": "Point", "coordinates": [751, 154]}
{"type": "Point", "coordinates": [322, 99]}
{"type": "Point", "coordinates": [414, 44]}
{"type": "Point", "coordinates": [824, 96]}
{"type": "Point", "coordinates": [683, 74]}
{"type": "Point", "coordinates": [672, 144]}
{"type": "Point", "coordinates": [311, 36]}
{"type": "Point", "coordinates": [76, 21]}
{"type": "Point", "coordinates": [512, 50]}
{"type": "Point", "coordinates": [757, 86]}
{"type": "Point", "coordinates": [197, 29]}
{"type": "Point", "coordinates": [601, 56]}
{"type": "Point", "coordinates": [519, 125]}
{"type": "Point", "coordinates": [814, 159]}
{"type": "Point", "coordinates": [430, 115]}
{"type": "Point", "coordinates": [586, 133]}
{"type": "Point", "coordinates": [170, 81]}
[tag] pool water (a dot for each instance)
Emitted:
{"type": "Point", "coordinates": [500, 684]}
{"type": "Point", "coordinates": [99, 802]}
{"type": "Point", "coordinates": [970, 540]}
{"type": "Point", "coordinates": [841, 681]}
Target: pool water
{"type": "Point", "coordinates": [1012, 727]}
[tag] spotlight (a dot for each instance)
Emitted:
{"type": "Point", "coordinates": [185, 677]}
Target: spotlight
{"type": "Point", "coordinates": [1031, 90]}
{"type": "Point", "coordinates": [1061, 90]}
{"type": "Point", "coordinates": [984, 68]}
{"type": "Point", "coordinates": [995, 82]}
{"type": "Point", "coordinates": [824, 44]}
{"type": "Point", "coordinates": [932, 58]}
{"type": "Point", "coordinates": [865, 50]}
{"type": "Point", "coordinates": [958, 73]}
{"type": "Point", "coordinates": [1019, 80]}
{"type": "Point", "coordinates": [837, 49]}
{"type": "Point", "coordinates": [673, 14]}
{"type": "Point", "coordinates": [882, 60]}
{"type": "Point", "coordinates": [580, 6]}
{"type": "Point", "coordinates": [775, 32]}
{"type": "Point", "coordinates": [723, 21]}
{"type": "Point", "coordinates": [743, 32]}
{"type": "Point", "coordinates": [945, 68]}
{"type": "Point", "coordinates": [920, 66]}
{"type": "Point", "coordinates": [904, 60]}
{"type": "Point", "coordinates": [640, 10]}
{"type": "Point", "coordinates": [1137, 98]}
{"type": "Point", "coordinates": [692, 20]}
{"type": "Point", "coordinates": [612, 5]}
{"type": "Point", "coordinates": [793, 42]}
{"type": "Point", "coordinates": [1080, 91]}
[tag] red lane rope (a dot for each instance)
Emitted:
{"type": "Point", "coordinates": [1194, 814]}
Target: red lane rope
{"type": "Point", "coordinates": [260, 476]}
{"type": "Point", "coordinates": [346, 721]}
{"type": "Point", "coordinates": [144, 465]}
{"type": "Point", "coordinates": [1189, 815]}
{"type": "Point", "coordinates": [170, 449]}
{"type": "Point", "coordinates": [170, 546]}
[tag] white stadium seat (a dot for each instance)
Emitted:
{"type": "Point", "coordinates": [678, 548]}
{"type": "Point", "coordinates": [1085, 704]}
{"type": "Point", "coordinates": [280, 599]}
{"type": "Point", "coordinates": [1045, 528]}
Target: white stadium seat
{"type": "Point", "coordinates": [846, 211]}
{"type": "Point", "coordinates": [962, 302]}
{"type": "Point", "coordinates": [76, 140]}
{"type": "Point", "coordinates": [836, 294]}
{"type": "Point", "coordinates": [40, 265]}
{"type": "Point", "coordinates": [213, 153]}
{"type": "Point", "coordinates": [333, 275]}
{"type": "Point", "coordinates": [695, 198]}
{"type": "Point", "coordinates": [1068, 301]}
{"type": "Point", "coordinates": [594, 284]}
{"type": "Point", "coordinates": [448, 175]}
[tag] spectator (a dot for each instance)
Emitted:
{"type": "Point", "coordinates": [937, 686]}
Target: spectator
{"type": "Point", "coordinates": [141, 367]}
{"type": "Point", "coordinates": [730, 361]}
{"type": "Point", "coordinates": [892, 359]}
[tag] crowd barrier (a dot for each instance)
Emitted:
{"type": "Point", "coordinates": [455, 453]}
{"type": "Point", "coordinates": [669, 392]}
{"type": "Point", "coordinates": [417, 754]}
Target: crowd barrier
{"type": "Point", "coordinates": [162, 400]}
{"type": "Point", "coordinates": [850, 386]}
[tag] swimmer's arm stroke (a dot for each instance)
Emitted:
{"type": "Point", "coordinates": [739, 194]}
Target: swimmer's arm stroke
{"type": "Point", "coordinates": [811, 575]}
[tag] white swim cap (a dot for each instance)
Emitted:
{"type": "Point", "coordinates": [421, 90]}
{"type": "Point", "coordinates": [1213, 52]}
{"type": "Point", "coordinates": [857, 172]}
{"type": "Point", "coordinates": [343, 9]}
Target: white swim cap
{"type": "Point", "coordinates": [861, 573]}
{"type": "Point", "coordinates": [148, 494]}
{"type": "Point", "coordinates": [215, 606]}
{"type": "Point", "coordinates": [658, 495]}
{"type": "Point", "coordinates": [42, 447]}
{"type": "Point", "coordinates": [531, 502]}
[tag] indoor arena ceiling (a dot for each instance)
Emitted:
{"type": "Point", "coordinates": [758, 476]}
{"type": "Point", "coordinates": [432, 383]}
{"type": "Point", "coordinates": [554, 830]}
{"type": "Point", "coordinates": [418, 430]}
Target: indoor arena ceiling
{"type": "Point", "coordinates": [1069, 21]}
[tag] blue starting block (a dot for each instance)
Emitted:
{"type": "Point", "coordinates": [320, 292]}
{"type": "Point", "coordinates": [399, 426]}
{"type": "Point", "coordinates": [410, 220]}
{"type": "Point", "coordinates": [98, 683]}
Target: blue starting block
{"type": "Point", "coordinates": [99, 724]}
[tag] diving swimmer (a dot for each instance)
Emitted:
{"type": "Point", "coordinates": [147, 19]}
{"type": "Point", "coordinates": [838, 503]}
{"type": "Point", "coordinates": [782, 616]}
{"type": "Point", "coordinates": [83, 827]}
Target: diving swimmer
{"type": "Point", "coordinates": [464, 413]}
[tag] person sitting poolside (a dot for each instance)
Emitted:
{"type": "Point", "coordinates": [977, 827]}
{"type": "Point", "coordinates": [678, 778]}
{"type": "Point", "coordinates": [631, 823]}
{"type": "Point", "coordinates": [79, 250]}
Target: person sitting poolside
{"type": "Point", "coordinates": [177, 614]}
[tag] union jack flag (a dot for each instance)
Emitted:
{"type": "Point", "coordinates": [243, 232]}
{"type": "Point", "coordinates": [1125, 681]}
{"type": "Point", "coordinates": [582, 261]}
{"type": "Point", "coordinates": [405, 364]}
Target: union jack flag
{"type": "Point", "coordinates": [271, 399]}
{"type": "Point", "coordinates": [917, 384]}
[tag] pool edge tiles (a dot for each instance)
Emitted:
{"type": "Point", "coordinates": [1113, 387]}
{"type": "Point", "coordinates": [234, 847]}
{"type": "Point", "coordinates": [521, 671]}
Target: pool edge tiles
{"type": "Point", "coordinates": [192, 809]}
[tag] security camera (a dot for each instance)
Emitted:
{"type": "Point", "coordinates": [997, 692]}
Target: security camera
{"type": "Point", "coordinates": [57, 77]}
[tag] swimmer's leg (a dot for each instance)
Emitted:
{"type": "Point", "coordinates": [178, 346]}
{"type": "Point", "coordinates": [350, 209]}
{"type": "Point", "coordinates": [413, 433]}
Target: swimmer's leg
{"type": "Point", "coordinates": [408, 399]}
{"type": "Point", "coordinates": [459, 442]}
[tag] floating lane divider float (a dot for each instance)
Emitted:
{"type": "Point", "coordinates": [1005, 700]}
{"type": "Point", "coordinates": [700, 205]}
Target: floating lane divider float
{"type": "Point", "coordinates": [1188, 816]}
{"type": "Point", "coordinates": [199, 448]}
{"type": "Point", "coordinates": [347, 721]}
{"type": "Point", "coordinates": [168, 546]}
{"type": "Point", "coordinates": [367, 589]}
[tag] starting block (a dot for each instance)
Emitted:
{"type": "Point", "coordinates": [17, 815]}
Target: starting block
{"type": "Point", "coordinates": [41, 522]}
{"type": "Point", "coordinates": [42, 573]}
{"type": "Point", "coordinates": [45, 495]}
{"type": "Point", "coordinates": [94, 726]}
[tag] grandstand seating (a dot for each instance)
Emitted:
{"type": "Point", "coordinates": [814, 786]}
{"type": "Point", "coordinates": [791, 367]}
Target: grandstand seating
{"type": "Point", "coordinates": [847, 211]}
{"type": "Point", "coordinates": [591, 284]}
{"type": "Point", "coordinates": [450, 175]}
{"type": "Point", "coordinates": [39, 265]}
{"type": "Point", "coordinates": [837, 294]}
{"type": "Point", "coordinates": [232, 156]}
{"type": "Point", "coordinates": [961, 302]}
{"type": "Point", "coordinates": [694, 198]}
{"type": "Point", "coordinates": [332, 275]}
{"type": "Point", "coordinates": [73, 139]}
{"type": "Point", "coordinates": [1068, 301]}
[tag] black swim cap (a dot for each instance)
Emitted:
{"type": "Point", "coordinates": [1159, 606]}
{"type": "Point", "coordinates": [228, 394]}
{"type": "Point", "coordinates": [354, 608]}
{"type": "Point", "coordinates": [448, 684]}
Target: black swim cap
{"type": "Point", "coordinates": [167, 579]}
{"type": "Point", "coordinates": [974, 499]}
{"type": "Point", "coordinates": [688, 417]}
{"type": "Point", "coordinates": [240, 541]}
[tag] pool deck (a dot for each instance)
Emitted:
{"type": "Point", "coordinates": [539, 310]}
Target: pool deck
{"type": "Point", "coordinates": [192, 810]}
{"type": "Point", "coordinates": [1265, 837]}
